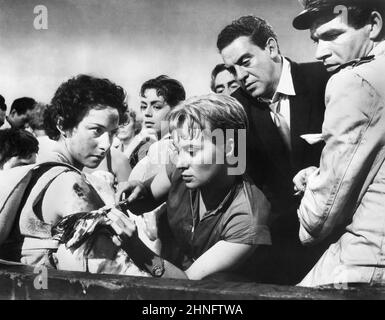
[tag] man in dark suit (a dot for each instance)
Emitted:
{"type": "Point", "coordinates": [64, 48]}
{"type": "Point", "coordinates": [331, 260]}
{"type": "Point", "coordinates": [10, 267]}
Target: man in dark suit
{"type": "Point", "coordinates": [283, 101]}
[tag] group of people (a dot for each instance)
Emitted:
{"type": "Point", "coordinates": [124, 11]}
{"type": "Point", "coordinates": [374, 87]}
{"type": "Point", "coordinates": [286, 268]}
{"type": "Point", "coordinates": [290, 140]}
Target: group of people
{"type": "Point", "coordinates": [167, 196]}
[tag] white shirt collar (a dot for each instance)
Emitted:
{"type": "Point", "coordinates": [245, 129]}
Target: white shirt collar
{"type": "Point", "coordinates": [285, 85]}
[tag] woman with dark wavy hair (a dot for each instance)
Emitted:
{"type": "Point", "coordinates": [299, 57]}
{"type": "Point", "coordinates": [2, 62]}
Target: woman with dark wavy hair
{"type": "Point", "coordinates": [83, 117]}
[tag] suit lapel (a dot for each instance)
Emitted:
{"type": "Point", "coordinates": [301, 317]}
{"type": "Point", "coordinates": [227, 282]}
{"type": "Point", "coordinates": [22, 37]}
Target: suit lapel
{"type": "Point", "coordinates": [272, 141]}
{"type": "Point", "coordinates": [300, 110]}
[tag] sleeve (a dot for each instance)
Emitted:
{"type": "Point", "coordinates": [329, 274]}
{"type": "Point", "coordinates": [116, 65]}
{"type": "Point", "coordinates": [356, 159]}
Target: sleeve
{"type": "Point", "coordinates": [244, 230]}
{"type": "Point", "coordinates": [247, 222]}
{"type": "Point", "coordinates": [353, 131]}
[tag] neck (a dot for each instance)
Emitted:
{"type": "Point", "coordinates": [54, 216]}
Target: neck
{"type": "Point", "coordinates": [39, 133]}
{"type": "Point", "coordinates": [9, 121]}
{"type": "Point", "coordinates": [214, 192]}
{"type": "Point", "coordinates": [63, 150]}
{"type": "Point", "coordinates": [126, 142]}
{"type": "Point", "coordinates": [276, 77]}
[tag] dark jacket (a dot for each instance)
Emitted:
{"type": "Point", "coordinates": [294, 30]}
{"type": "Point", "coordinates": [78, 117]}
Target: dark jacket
{"type": "Point", "coordinates": [269, 163]}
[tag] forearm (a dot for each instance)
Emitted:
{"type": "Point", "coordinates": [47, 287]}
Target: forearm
{"type": "Point", "coordinates": [148, 260]}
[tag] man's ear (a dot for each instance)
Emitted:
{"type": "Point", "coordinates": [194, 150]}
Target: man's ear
{"type": "Point", "coordinates": [272, 47]}
{"type": "Point", "coordinates": [230, 147]}
{"type": "Point", "coordinates": [376, 24]}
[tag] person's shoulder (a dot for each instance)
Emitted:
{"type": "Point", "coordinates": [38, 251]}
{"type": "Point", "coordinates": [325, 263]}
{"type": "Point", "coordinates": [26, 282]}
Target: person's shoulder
{"type": "Point", "coordinates": [250, 200]}
{"type": "Point", "coordinates": [310, 73]}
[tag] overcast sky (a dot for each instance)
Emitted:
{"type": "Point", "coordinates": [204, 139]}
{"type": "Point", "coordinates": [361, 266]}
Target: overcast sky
{"type": "Point", "coordinates": [127, 41]}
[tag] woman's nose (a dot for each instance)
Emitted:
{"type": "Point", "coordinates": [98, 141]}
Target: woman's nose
{"type": "Point", "coordinates": [148, 112]}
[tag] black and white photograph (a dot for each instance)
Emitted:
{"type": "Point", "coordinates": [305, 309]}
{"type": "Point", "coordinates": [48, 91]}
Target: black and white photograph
{"type": "Point", "coordinates": [205, 151]}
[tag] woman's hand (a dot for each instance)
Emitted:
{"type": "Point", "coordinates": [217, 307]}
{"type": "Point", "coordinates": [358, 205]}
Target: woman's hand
{"type": "Point", "coordinates": [132, 190]}
{"type": "Point", "coordinates": [124, 227]}
{"type": "Point", "coordinates": [151, 221]}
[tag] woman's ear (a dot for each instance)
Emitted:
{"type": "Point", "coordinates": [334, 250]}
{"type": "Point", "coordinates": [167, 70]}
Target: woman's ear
{"type": "Point", "coordinates": [59, 126]}
{"type": "Point", "coordinates": [230, 147]}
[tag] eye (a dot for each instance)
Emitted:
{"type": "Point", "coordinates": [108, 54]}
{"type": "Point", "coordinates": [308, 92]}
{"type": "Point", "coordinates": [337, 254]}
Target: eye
{"type": "Point", "coordinates": [143, 107]}
{"type": "Point", "coordinates": [158, 106]}
{"type": "Point", "coordinates": [97, 131]}
{"type": "Point", "coordinates": [220, 90]}
{"type": "Point", "coordinates": [246, 62]}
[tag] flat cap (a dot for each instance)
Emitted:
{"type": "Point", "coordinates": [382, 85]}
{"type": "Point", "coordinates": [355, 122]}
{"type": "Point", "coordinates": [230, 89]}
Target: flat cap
{"type": "Point", "coordinates": [315, 8]}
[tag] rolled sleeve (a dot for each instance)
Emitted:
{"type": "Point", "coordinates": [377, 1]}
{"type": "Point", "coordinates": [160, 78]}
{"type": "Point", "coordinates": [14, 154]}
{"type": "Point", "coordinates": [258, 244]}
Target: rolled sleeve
{"type": "Point", "coordinates": [353, 131]}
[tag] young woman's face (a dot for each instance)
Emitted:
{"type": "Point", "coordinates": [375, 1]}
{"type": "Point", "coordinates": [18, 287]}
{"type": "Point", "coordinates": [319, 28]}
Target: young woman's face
{"type": "Point", "coordinates": [155, 110]}
{"type": "Point", "coordinates": [200, 161]}
{"type": "Point", "coordinates": [89, 141]}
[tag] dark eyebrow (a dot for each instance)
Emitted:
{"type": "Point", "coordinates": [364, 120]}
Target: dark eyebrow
{"type": "Point", "coordinates": [155, 102]}
{"type": "Point", "coordinates": [328, 33]}
{"type": "Point", "coordinates": [98, 125]}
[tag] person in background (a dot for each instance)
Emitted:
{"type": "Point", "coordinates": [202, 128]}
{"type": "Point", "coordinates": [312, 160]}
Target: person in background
{"type": "Point", "coordinates": [18, 147]}
{"type": "Point", "coordinates": [159, 97]}
{"type": "Point", "coordinates": [284, 101]}
{"type": "Point", "coordinates": [20, 113]}
{"type": "Point", "coordinates": [3, 110]}
{"type": "Point", "coordinates": [36, 122]}
{"type": "Point", "coordinates": [131, 135]}
{"type": "Point", "coordinates": [224, 79]}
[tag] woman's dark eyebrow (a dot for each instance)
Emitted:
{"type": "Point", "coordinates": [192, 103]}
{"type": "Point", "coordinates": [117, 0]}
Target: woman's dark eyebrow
{"type": "Point", "coordinates": [97, 124]}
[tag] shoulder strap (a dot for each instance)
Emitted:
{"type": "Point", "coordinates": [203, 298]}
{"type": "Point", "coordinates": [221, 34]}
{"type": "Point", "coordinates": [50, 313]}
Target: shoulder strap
{"type": "Point", "coordinates": [20, 182]}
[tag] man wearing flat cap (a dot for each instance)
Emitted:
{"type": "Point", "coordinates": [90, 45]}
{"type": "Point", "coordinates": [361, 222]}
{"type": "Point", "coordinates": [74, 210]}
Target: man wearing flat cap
{"type": "Point", "coordinates": [344, 199]}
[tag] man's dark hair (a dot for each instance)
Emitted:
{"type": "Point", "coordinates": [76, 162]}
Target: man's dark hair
{"type": "Point", "coordinates": [254, 27]}
{"type": "Point", "coordinates": [3, 106]}
{"type": "Point", "coordinates": [359, 15]}
{"type": "Point", "coordinates": [22, 105]}
{"type": "Point", "coordinates": [75, 97]}
{"type": "Point", "coordinates": [170, 89]}
{"type": "Point", "coordinates": [16, 143]}
{"type": "Point", "coordinates": [218, 69]}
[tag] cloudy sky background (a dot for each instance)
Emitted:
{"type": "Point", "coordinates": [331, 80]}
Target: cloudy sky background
{"type": "Point", "coordinates": [127, 41]}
